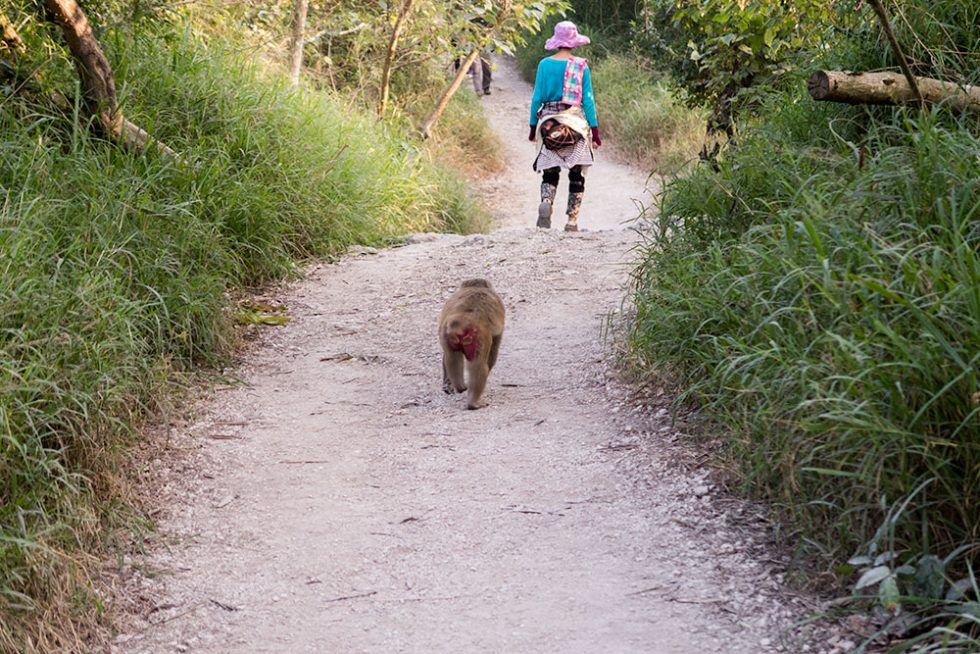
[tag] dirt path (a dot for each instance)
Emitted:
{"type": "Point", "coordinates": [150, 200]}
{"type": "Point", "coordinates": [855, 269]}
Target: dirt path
{"type": "Point", "coordinates": [337, 501]}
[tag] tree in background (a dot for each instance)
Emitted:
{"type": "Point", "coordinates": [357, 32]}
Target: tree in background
{"type": "Point", "coordinates": [722, 51]}
{"type": "Point", "coordinates": [726, 53]}
{"type": "Point", "coordinates": [403, 13]}
{"type": "Point", "coordinates": [362, 48]}
{"type": "Point", "coordinates": [503, 26]}
{"type": "Point", "coordinates": [300, 10]}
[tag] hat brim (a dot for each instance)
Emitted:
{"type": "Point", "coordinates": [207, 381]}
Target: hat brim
{"type": "Point", "coordinates": [555, 42]}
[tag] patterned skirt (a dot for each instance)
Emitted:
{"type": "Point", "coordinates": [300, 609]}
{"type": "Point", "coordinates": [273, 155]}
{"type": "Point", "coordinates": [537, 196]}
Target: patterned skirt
{"type": "Point", "coordinates": [579, 154]}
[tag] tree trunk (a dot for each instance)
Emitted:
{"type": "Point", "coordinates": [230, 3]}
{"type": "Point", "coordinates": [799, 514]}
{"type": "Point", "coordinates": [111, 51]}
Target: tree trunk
{"type": "Point", "coordinates": [443, 102]}
{"type": "Point", "coordinates": [296, 43]}
{"type": "Point", "coordinates": [889, 88]}
{"type": "Point", "coordinates": [98, 85]}
{"type": "Point", "coordinates": [390, 56]}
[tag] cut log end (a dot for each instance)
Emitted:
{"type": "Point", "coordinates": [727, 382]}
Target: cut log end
{"type": "Point", "coordinates": [818, 86]}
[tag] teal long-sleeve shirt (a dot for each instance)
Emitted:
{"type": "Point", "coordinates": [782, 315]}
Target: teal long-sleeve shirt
{"type": "Point", "coordinates": [548, 84]}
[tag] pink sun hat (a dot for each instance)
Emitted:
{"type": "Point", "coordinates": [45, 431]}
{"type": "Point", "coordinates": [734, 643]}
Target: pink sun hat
{"type": "Point", "coordinates": [566, 36]}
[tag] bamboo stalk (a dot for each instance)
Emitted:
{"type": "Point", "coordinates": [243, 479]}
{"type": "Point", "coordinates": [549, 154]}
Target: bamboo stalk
{"type": "Point", "coordinates": [390, 56]}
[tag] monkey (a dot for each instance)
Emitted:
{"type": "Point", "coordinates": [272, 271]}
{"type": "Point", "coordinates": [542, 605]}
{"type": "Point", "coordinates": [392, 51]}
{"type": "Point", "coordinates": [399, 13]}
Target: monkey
{"type": "Point", "coordinates": [471, 327]}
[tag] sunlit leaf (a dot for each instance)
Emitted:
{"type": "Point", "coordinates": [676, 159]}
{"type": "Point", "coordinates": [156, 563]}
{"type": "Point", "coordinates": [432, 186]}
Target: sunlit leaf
{"type": "Point", "coordinates": [872, 576]}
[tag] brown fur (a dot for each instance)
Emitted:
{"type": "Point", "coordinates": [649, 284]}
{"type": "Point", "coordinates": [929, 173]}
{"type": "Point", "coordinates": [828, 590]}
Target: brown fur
{"type": "Point", "coordinates": [471, 326]}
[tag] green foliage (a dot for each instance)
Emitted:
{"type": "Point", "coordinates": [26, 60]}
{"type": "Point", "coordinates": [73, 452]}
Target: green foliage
{"type": "Point", "coordinates": [511, 21]}
{"type": "Point", "coordinates": [605, 15]}
{"type": "Point", "coordinates": [925, 605]}
{"type": "Point", "coordinates": [117, 270]}
{"type": "Point", "coordinates": [347, 40]}
{"type": "Point", "coordinates": [610, 21]}
{"type": "Point", "coordinates": [940, 38]}
{"type": "Point", "coordinates": [724, 48]}
{"type": "Point", "coordinates": [816, 295]}
{"type": "Point", "coordinates": [727, 53]}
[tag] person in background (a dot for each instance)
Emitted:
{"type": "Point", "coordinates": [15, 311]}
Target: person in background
{"type": "Point", "coordinates": [486, 76]}
{"type": "Point", "coordinates": [481, 72]}
{"type": "Point", "coordinates": [564, 108]}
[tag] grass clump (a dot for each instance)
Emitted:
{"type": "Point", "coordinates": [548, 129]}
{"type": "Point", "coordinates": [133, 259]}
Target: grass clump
{"type": "Point", "coordinates": [117, 270]}
{"type": "Point", "coordinates": [643, 116]}
{"type": "Point", "coordinates": [826, 315]}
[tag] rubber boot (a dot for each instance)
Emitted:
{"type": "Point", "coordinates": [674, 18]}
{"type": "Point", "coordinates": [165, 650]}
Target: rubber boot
{"type": "Point", "coordinates": [548, 192]}
{"type": "Point", "coordinates": [574, 204]}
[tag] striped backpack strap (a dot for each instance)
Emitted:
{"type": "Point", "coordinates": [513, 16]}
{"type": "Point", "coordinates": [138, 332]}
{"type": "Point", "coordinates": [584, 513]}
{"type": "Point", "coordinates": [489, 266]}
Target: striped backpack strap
{"type": "Point", "coordinates": [571, 92]}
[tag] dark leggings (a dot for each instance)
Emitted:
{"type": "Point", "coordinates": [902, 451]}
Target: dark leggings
{"type": "Point", "coordinates": [576, 180]}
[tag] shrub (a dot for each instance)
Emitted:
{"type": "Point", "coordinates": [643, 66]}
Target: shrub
{"type": "Point", "coordinates": [827, 316]}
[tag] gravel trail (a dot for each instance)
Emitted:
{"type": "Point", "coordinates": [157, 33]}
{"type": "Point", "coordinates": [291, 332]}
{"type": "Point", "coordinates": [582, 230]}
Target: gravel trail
{"type": "Point", "coordinates": [338, 501]}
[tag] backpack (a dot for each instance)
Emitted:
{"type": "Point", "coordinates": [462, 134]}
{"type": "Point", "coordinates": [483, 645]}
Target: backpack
{"type": "Point", "coordinates": [556, 135]}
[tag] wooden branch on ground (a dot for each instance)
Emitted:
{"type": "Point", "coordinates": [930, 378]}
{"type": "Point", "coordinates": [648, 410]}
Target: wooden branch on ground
{"type": "Point", "coordinates": [890, 88]}
{"type": "Point", "coordinates": [443, 101]}
{"type": "Point", "coordinates": [98, 84]}
{"type": "Point", "coordinates": [11, 39]}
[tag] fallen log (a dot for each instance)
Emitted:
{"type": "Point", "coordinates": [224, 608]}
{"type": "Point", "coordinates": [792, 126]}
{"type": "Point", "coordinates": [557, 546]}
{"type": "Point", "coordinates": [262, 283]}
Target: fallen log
{"type": "Point", "coordinates": [890, 88]}
{"type": "Point", "coordinates": [98, 84]}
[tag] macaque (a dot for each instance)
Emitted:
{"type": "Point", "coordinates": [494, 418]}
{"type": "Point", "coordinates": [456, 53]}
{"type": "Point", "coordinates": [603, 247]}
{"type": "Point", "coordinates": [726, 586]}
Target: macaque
{"type": "Point", "coordinates": [470, 328]}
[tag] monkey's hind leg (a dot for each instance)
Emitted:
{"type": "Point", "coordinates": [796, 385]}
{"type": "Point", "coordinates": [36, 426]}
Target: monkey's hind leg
{"type": "Point", "coordinates": [477, 371]}
{"type": "Point", "coordinates": [452, 372]}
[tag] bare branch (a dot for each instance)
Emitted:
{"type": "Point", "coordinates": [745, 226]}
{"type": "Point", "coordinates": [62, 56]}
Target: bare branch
{"type": "Point", "coordinates": [902, 62]}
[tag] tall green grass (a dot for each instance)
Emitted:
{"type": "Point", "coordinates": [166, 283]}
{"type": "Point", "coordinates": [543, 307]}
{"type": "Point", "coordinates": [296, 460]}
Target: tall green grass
{"type": "Point", "coordinates": [827, 316]}
{"type": "Point", "coordinates": [116, 270]}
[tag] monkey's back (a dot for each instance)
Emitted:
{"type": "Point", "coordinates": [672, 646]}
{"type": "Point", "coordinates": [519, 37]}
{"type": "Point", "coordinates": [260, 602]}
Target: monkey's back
{"type": "Point", "coordinates": [476, 304]}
